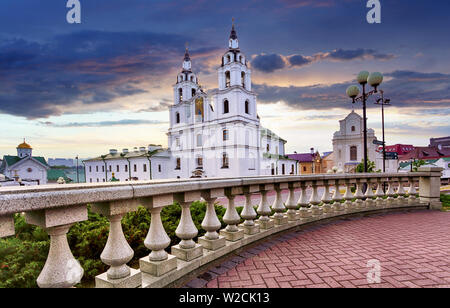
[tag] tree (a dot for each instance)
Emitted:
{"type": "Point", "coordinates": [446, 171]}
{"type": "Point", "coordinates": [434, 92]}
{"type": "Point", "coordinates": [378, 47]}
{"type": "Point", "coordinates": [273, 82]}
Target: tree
{"type": "Point", "coordinates": [370, 167]}
{"type": "Point", "coordinates": [417, 163]}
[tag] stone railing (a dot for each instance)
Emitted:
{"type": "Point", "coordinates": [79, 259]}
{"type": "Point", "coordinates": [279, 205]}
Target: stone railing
{"type": "Point", "coordinates": [57, 207]}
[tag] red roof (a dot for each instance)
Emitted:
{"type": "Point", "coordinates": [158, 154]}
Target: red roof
{"type": "Point", "coordinates": [425, 153]}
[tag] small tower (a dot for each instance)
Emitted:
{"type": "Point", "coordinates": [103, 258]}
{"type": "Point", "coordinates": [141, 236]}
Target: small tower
{"type": "Point", "coordinates": [233, 43]}
{"type": "Point", "coordinates": [187, 83]}
{"type": "Point", "coordinates": [24, 149]}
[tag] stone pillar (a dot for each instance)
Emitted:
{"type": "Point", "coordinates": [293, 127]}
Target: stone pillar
{"type": "Point", "coordinates": [412, 192]}
{"type": "Point", "coordinates": [232, 233]}
{"type": "Point", "coordinates": [278, 206]}
{"type": "Point", "coordinates": [187, 249]}
{"type": "Point", "coordinates": [211, 240]}
{"type": "Point", "coordinates": [291, 203]}
{"type": "Point", "coordinates": [316, 211]}
{"type": "Point", "coordinates": [369, 202]}
{"type": "Point", "coordinates": [348, 196]}
{"type": "Point", "coordinates": [390, 201]}
{"type": "Point", "coordinates": [304, 212]}
{"type": "Point", "coordinates": [158, 262]}
{"type": "Point", "coordinates": [264, 209]}
{"type": "Point", "coordinates": [359, 203]}
{"type": "Point", "coordinates": [401, 201]}
{"type": "Point", "coordinates": [337, 197]}
{"type": "Point", "coordinates": [326, 199]}
{"type": "Point", "coordinates": [6, 225]}
{"type": "Point", "coordinates": [379, 201]}
{"type": "Point", "coordinates": [117, 252]}
{"type": "Point", "coordinates": [248, 212]}
{"type": "Point", "coordinates": [429, 187]}
{"type": "Point", "coordinates": [61, 269]}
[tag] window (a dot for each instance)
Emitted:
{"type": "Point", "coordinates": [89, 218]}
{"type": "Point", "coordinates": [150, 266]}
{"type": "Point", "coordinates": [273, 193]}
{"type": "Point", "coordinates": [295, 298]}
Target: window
{"type": "Point", "coordinates": [180, 94]}
{"type": "Point", "coordinates": [177, 142]}
{"type": "Point", "coordinates": [225, 135]}
{"type": "Point", "coordinates": [110, 168]}
{"type": "Point", "coordinates": [193, 92]}
{"type": "Point", "coordinates": [90, 180]}
{"type": "Point", "coordinates": [353, 153]}
{"type": "Point", "coordinates": [267, 147]}
{"type": "Point", "coordinates": [273, 169]}
{"type": "Point", "coordinates": [177, 117]}
{"type": "Point", "coordinates": [118, 168]}
{"type": "Point", "coordinates": [243, 79]}
{"type": "Point", "coordinates": [90, 168]}
{"type": "Point", "coordinates": [126, 168]}
{"type": "Point", "coordinates": [226, 106]}
{"type": "Point", "coordinates": [135, 168]}
{"type": "Point", "coordinates": [247, 107]}
{"type": "Point", "coordinates": [304, 168]}
{"type": "Point", "coordinates": [199, 140]}
{"type": "Point", "coordinates": [292, 169]}
{"type": "Point", "coordinates": [159, 168]}
{"type": "Point", "coordinates": [282, 169]}
{"type": "Point", "coordinates": [103, 168]}
{"type": "Point", "coordinates": [353, 128]}
{"type": "Point", "coordinates": [178, 165]}
{"type": "Point", "coordinates": [98, 181]}
{"type": "Point", "coordinates": [225, 160]}
{"type": "Point", "coordinates": [145, 167]}
{"type": "Point", "coordinates": [96, 168]}
{"type": "Point", "coordinates": [227, 79]}
{"type": "Point", "coordinates": [199, 161]}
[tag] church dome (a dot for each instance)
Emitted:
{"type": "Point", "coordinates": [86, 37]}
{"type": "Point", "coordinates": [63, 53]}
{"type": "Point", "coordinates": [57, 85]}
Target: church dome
{"type": "Point", "coordinates": [24, 145]}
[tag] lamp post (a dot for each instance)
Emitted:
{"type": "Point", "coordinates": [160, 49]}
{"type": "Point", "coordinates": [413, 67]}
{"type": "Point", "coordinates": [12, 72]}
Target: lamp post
{"type": "Point", "coordinates": [364, 77]}
{"type": "Point", "coordinates": [383, 102]}
{"type": "Point", "coordinates": [78, 179]}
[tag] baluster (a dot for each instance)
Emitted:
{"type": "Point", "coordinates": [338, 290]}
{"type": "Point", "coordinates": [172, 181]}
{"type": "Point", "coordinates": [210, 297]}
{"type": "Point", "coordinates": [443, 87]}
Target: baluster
{"type": "Point", "coordinates": [264, 209]}
{"type": "Point", "coordinates": [248, 212]}
{"type": "Point", "coordinates": [158, 262]}
{"type": "Point", "coordinates": [211, 223]}
{"type": "Point", "coordinates": [316, 211]}
{"type": "Point", "coordinates": [380, 202]}
{"type": "Point", "coordinates": [412, 200]}
{"type": "Point", "coordinates": [303, 203]}
{"type": "Point", "coordinates": [369, 203]}
{"type": "Point", "coordinates": [401, 193]}
{"type": "Point", "coordinates": [187, 249]}
{"type": "Point", "coordinates": [291, 204]}
{"type": "Point", "coordinates": [231, 218]}
{"type": "Point", "coordinates": [348, 196]}
{"type": "Point", "coordinates": [359, 203]}
{"type": "Point", "coordinates": [61, 269]}
{"type": "Point", "coordinates": [390, 193]}
{"type": "Point", "coordinates": [278, 206]}
{"type": "Point", "coordinates": [326, 199]}
{"type": "Point", "coordinates": [117, 252]}
{"type": "Point", "coordinates": [337, 197]}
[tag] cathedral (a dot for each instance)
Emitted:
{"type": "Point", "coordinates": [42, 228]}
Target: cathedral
{"type": "Point", "coordinates": [211, 134]}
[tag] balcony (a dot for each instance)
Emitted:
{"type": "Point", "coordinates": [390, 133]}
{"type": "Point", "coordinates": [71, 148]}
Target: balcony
{"type": "Point", "coordinates": [56, 208]}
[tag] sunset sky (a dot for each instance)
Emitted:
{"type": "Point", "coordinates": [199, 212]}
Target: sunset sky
{"type": "Point", "coordinates": [107, 83]}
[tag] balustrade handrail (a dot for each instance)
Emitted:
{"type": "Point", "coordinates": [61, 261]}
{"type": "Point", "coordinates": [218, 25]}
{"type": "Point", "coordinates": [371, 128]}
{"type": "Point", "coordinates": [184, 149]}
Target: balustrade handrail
{"type": "Point", "coordinates": [32, 198]}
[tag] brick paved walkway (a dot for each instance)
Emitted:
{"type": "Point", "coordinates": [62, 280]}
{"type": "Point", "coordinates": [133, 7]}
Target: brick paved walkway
{"type": "Point", "coordinates": [413, 250]}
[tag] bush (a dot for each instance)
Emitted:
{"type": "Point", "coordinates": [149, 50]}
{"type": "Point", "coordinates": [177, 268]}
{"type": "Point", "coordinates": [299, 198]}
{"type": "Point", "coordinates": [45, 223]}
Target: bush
{"type": "Point", "coordinates": [23, 256]}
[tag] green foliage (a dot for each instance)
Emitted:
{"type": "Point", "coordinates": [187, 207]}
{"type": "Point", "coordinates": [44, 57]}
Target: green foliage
{"type": "Point", "coordinates": [445, 199]}
{"type": "Point", "coordinates": [23, 256]}
{"type": "Point", "coordinates": [370, 167]}
{"type": "Point", "coordinates": [417, 163]}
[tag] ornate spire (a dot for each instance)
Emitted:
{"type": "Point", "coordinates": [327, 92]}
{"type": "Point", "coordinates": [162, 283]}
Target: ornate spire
{"type": "Point", "coordinates": [233, 34]}
{"type": "Point", "coordinates": [186, 54]}
{"type": "Point", "coordinates": [233, 42]}
{"type": "Point", "coordinates": [187, 60]}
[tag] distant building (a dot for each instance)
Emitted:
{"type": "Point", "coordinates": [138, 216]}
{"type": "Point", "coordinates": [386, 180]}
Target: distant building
{"type": "Point", "coordinates": [25, 168]}
{"type": "Point", "coordinates": [440, 143]}
{"type": "Point", "coordinates": [400, 149]}
{"type": "Point", "coordinates": [308, 163]}
{"type": "Point", "coordinates": [425, 153]}
{"type": "Point", "coordinates": [66, 162]}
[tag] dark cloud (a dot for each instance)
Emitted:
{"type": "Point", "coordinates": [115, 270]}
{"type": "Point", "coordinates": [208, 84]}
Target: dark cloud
{"type": "Point", "coordinates": [83, 68]}
{"type": "Point", "coordinates": [273, 62]}
{"type": "Point", "coordinates": [404, 88]}
{"type": "Point", "coordinates": [104, 123]}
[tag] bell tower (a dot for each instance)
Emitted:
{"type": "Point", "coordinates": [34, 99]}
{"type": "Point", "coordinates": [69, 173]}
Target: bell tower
{"type": "Point", "coordinates": [187, 83]}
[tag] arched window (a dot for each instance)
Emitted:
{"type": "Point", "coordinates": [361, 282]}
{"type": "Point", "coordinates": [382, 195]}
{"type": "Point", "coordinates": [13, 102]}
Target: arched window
{"type": "Point", "coordinates": [177, 117]}
{"type": "Point", "coordinates": [252, 161]}
{"type": "Point", "coordinates": [193, 92]}
{"type": "Point", "coordinates": [225, 160]}
{"type": "Point", "coordinates": [227, 79]}
{"type": "Point", "coordinates": [199, 162]}
{"type": "Point", "coordinates": [192, 78]}
{"type": "Point", "coordinates": [353, 128]}
{"type": "Point", "coordinates": [353, 153]}
{"type": "Point", "coordinates": [226, 106]}
{"type": "Point", "coordinates": [243, 79]}
{"type": "Point", "coordinates": [178, 165]}
{"type": "Point", "coordinates": [247, 107]}
{"type": "Point", "coordinates": [180, 94]}
{"type": "Point", "coordinates": [268, 148]}
{"type": "Point", "coordinates": [225, 135]}
{"type": "Point", "coordinates": [199, 140]}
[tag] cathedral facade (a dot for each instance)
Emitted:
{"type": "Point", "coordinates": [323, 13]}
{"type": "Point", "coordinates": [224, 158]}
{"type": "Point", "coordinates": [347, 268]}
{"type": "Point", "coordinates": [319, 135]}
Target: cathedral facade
{"type": "Point", "coordinates": [211, 134]}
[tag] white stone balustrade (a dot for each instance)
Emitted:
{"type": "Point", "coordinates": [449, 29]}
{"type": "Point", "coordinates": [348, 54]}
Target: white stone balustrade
{"type": "Point", "coordinates": [278, 205]}
{"type": "Point", "coordinates": [401, 192]}
{"type": "Point", "coordinates": [359, 203]}
{"type": "Point", "coordinates": [56, 208]}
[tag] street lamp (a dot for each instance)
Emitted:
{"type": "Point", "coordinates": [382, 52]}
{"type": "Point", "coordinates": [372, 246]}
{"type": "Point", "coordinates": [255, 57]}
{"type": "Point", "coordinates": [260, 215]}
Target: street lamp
{"type": "Point", "coordinates": [364, 77]}
{"type": "Point", "coordinates": [383, 102]}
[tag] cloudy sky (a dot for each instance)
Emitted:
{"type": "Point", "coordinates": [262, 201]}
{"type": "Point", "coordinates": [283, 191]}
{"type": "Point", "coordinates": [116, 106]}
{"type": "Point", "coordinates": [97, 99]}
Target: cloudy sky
{"type": "Point", "coordinates": [107, 83]}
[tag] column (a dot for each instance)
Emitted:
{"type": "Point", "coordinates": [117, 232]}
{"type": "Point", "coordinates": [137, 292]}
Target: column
{"type": "Point", "coordinates": [158, 262]}
{"type": "Point", "coordinates": [359, 203]}
{"type": "Point", "coordinates": [401, 201]}
{"type": "Point", "coordinates": [369, 202]}
{"type": "Point", "coordinates": [304, 212]}
{"type": "Point", "coordinates": [379, 201]}
{"type": "Point", "coordinates": [429, 186]}
{"type": "Point", "coordinates": [348, 196]}
{"type": "Point", "coordinates": [291, 203]}
{"type": "Point", "coordinates": [264, 209]}
{"type": "Point", "coordinates": [326, 199]}
{"type": "Point", "coordinates": [390, 201]}
{"type": "Point", "coordinates": [337, 198]}
{"type": "Point", "coordinates": [117, 252]}
{"type": "Point", "coordinates": [211, 240]}
{"type": "Point", "coordinates": [412, 192]}
{"type": "Point", "coordinates": [232, 233]}
{"type": "Point", "coordinates": [316, 211]}
{"type": "Point", "coordinates": [278, 206]}
{"type": "Point", "coordinates": [248, 212]}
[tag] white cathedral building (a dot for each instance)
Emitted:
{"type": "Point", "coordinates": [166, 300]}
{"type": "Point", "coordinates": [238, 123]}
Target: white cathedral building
{"type": "Point", "coordinates": [214, 134]}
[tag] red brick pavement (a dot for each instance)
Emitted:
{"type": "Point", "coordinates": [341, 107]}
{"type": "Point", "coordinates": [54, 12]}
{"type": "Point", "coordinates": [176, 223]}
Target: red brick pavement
{"type": "Point", "coordinates": [413, 250]}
